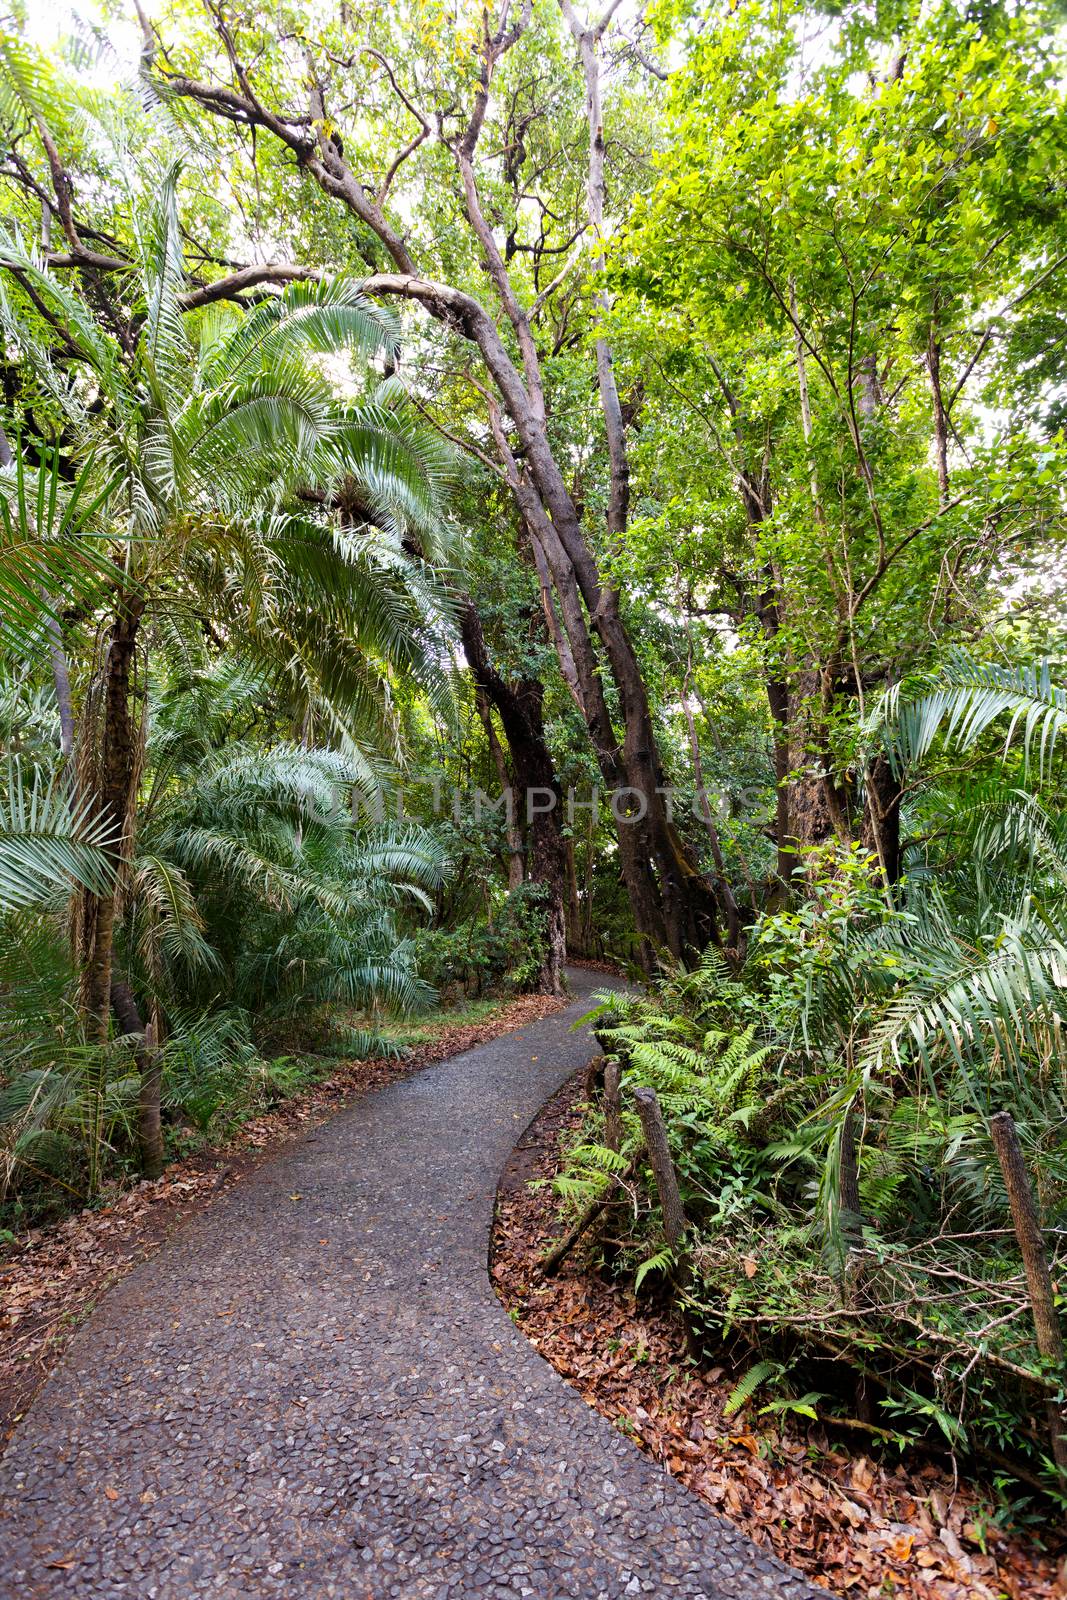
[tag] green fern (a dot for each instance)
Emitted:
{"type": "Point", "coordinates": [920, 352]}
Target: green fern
{"type": "Point", "coordinates": [753, 1379]}
{"type": "Point", "coordinates": [662, 1261]}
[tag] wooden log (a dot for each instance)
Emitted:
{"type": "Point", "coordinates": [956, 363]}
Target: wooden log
{"type": "Point", "coordinates": [659, 1155]}
{"type": "Point", "coordinates": [1024, 1215]}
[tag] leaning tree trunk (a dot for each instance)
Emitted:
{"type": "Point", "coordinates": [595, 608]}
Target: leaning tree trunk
{"type": "Point", "coordinates": [519, 706]}
{"type": "Point", "coordinates": [673, 903]}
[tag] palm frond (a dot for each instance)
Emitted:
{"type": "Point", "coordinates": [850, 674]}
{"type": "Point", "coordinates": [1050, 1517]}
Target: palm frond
{"type": "Point", "coordinates": [47, 840]}
{"type": "Point", "coordinates": [47, 556]}
{"type": "Point", "coordinates": [968, 697]}
{"type": "Point", "coordinates": [319, 318]}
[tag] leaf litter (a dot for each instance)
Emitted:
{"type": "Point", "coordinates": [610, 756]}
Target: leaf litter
{"type": "Point", "coordinates": [859, 1525]}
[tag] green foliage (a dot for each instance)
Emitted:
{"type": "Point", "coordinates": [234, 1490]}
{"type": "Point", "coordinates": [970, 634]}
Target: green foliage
{"type": "Point", "coordinates": [833, 306]}
{"type": "Point", "coordinates": [897, 1024]}
{"type": "Point", "coordinates": [240, 474]}
{"type": "Point", "coordinates": [968, 697]}
{"type": "Point", "coordinates": [662, 1261]}
{"type": "Point", "coordinates": [46, 544]}
{"type": "Point", "coordinates": [743, 1391]}
{"type": "Point", "coordinates": [47, 839]}
{"type": "Point", "coordinates": [479, 956]}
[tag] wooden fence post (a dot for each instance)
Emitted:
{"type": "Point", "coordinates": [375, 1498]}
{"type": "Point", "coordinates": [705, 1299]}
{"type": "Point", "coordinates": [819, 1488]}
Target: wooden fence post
{"type": "Point", "coordinates": [1035, 1262]}
{"type": "Point", "coordinates": [659, 1155]}
{"type": "Point", "coordinates": [612, 1105]}
{"type": "Point", "coordinates": [674, 1218]}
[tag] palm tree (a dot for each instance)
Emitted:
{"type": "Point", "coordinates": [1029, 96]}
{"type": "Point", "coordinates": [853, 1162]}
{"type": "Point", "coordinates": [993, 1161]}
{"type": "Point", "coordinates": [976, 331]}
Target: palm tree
{"type": "Point", "coordinates": [252, 866]}
{"type": "Point", "coordinates": [977, 965]}
{"type": "Point", "coordinates": [253, 897]}
{"type": "Point", "coordinates": [47, 839]}
{"type": "Point", "coordinates": [957, 1001]}
{"type": "Point", "coordinates": [204, 430]}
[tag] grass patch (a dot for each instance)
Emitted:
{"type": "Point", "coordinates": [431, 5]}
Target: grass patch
{"type": "Point", "coordinates": [408, 1032]}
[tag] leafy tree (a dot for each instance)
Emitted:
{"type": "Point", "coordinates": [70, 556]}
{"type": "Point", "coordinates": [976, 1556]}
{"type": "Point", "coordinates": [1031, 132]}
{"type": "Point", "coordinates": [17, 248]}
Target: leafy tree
{"type": "Point", "coordinates": [492, 294]}
{"type": "Point", "coordinates": [831, 258]}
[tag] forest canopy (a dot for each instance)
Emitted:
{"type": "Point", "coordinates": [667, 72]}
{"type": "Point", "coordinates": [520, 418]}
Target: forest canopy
{"type": "Point", "coordinates": [483, 486]}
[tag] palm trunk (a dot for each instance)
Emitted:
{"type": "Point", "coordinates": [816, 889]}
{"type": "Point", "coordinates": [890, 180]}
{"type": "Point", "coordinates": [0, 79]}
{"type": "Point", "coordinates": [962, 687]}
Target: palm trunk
{"type": "Point", "coordinates": [149, 1112]}
{"type": "Point", "coordinates": [114, 805]}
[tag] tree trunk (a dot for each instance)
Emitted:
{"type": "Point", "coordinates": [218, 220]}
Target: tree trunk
{"type": "Point", "coordinates": [933, 368]}
{"type": "Point", "coordinates": [113, 804]}
{"type": "Point", "coordinates": [778, 700]}
{"type": "Point", "coordinates": [149, 1114]}
{"type": "Point", "coordinates": [880, 830]}
{"type": "Point", "coordinates": [512, 817]}
{"type": "Point", "coordinates": [519, 706]}
{"type": "Point", "coordinates": [673, 903]}
{"type": "Point", "coordinates": [726, 894]}
{"type": "Point", "coordinates": [586, 941]}
{"type": "Point", "coordinates": [1024, 1215]}
{"type": "Point", "coordinates": [613, 1129]}
{"type": "Point", "coordinates": [662, 1164]}
{"type": "Point", "coordinates": [574, 905]}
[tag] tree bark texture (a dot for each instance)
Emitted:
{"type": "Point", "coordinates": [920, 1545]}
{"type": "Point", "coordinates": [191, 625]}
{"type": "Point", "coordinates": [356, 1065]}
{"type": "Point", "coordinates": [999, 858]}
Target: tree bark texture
{"type": "Point", "coordinates": [516, 846]}
{"type": "Point", "coordinates": [1024, 1215]}
{"type": "Point", "coordinates": [113, 797]}
{"type": "Point", "coordinates": [149, 1112]}
{"type": "Point", "coordinates": [519, 706]}
{"type": "Point", "coordinates": [662, 1164]}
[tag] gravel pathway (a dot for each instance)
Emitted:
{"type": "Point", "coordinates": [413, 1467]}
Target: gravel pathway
{"type": "Point", "coordinates": [312, 1391]}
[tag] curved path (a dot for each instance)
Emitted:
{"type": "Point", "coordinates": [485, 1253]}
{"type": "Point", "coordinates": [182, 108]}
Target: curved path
{"type": "Point", "coordinates": [312, 1391]}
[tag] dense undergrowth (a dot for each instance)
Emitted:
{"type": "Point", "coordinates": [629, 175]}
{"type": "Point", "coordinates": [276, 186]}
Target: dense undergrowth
{"type": "Point", "coordinates": [829, 1106]}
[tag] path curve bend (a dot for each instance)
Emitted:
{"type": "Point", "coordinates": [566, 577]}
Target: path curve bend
{"type": "Point", "coordinates": [311, 1391]}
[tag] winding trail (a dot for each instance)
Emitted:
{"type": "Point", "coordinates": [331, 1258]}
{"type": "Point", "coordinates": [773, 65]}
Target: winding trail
{"type": "Point", "coordinates": [312, 1391]}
